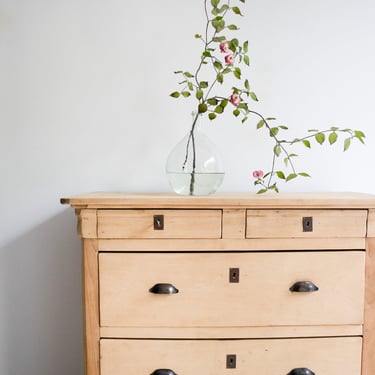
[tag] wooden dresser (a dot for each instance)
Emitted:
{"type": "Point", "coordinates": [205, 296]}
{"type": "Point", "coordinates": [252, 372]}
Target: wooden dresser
{"type": "Point", "coordinates": [228, 284]}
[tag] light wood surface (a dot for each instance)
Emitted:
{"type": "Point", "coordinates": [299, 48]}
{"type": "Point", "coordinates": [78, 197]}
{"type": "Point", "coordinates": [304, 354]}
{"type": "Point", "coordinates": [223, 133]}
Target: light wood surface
{"type": "Point", "coordinates": [207, 298]}
{"type": "Point", "coordinates": [328, 356]}
{"type": "Point", "coordinates": [289, 223]}
{"type": "Point", "coordinates": [91, 306]}
{"type": "Point", "coordinates": [369, 326]}
{"type": "Point", "coordinates": [270, 328]}
{"type": "Point", "coordinates": [222, 200]}
{"type": "Point", "coordinates": [177, 224]}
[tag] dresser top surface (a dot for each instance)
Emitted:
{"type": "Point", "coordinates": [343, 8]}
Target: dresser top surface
{"type": "Point", "coordinates": [222, 200]}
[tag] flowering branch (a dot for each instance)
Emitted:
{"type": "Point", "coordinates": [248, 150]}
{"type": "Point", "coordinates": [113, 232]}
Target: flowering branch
{"type": "Point", "coordinates": [215, 45]}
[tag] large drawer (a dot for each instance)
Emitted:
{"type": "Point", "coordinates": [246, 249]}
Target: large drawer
{"type": "Point", "coordinates": [209, 294]}
{"type": "Point", "coordinates": [159, 223]}
{"type": "Point", "coordinates": [305, 223]}
{"type": "Point", "coordinates": [328, 356]}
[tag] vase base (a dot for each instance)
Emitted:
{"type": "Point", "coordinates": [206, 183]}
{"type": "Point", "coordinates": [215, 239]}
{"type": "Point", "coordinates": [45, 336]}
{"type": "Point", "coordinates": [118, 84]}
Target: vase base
{"type": "Point", "coordinates": [195, 183]}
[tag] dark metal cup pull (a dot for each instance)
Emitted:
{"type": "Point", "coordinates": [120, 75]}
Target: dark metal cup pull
{"type": "Point", "coordinates": [163, 288]}
{"type": "Point", "coordinates": [163, 371]}
{"type": "Point", "coordinates": [303, 287]}
{"type": "Point", "coordinates": [301, 371]}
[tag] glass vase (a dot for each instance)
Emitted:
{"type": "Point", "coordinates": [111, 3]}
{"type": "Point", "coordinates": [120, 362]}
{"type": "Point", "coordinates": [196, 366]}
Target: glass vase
{"type": "Point", "coordinates": [194, 166]}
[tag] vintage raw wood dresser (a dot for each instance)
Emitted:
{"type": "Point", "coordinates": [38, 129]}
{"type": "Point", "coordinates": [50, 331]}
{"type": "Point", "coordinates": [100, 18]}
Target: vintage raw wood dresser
{"type": "Point", "coordinates": [228, 284]}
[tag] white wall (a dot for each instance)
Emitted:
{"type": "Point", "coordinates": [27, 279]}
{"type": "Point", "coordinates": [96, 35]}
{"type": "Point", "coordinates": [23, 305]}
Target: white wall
{"type": "Point", "coordinates": [85, 106]}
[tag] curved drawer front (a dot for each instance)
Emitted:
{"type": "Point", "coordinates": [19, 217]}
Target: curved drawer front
{"type": "Point", "coordinates": [305, 223]}
{"type": "Point", "coordinates": [237, 289]}
{"type": "Point", "coordinates": [159, 223]}
{"type": "Point", "coordinates": [328, 356]}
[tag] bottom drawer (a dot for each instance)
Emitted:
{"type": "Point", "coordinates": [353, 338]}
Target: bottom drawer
{"type": "Point", "coordinates": [328, 356]}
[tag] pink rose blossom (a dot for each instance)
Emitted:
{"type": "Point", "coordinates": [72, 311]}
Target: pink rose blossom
{"type": "Point", "coordinates": [224, 47]}
{"type": "Point", "coordinates": [258, 174]}
{"type": "Point", "coordinates": [229, 59]}
{"type": "Point", "coordinates": [235, 99]}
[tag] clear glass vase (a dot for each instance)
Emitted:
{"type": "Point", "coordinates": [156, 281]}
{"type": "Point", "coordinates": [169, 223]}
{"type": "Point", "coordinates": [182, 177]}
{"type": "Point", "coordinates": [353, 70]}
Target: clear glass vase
{"type": "Point", "coordinates": [194, 166]}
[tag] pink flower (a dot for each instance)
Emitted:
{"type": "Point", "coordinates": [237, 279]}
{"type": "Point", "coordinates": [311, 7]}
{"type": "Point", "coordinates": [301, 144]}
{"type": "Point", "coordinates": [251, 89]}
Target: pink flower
{"type": "Point", "coordinates": [224, 47]}
{"type": "Point", "coordinates": [258, 174]}
{"type": "Point", "coordinates": [235, 99]}
{"type": "Point", "coordinates": [229, 59]}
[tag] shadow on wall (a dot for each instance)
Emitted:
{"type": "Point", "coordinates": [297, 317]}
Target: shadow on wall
{"type": "Point", "coordinates": [40, 309]}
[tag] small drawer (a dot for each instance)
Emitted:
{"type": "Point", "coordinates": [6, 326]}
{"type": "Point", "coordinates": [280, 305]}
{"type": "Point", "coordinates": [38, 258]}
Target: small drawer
{"type": "Point", "coordinates": [231, 290]}
{"type": "Point", "coordinates": [305, 223]}
{"type": "Point", "coordinates": [328, 356]}
{"type": "Point", "coordinates": [159, 223]}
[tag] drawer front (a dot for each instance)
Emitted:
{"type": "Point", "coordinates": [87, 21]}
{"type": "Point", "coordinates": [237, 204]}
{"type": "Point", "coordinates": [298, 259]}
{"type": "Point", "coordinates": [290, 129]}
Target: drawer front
{"type": "Point", "coordinates": [328, 356]}
{"type": "Point", "coordinates": [208, 294]}
{"type": "Point", "coordinates": [305, 223]}
{"type": "Point", "coordinates": [159, 223]}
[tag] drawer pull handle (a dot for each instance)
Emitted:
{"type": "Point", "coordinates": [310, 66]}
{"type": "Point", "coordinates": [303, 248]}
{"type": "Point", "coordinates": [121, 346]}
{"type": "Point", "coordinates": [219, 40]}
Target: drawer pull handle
{"type": "Point", "coordinates": [301, 371]}
{"type": "Point", "coordinates": [303, 287]}
{"type": "Point", "coordinates": [163, 288]}
{"type": "Point", "coordinates": [163, 371]}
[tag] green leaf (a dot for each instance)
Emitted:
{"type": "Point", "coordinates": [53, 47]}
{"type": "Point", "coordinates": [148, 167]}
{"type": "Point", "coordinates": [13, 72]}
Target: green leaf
{"type": "Point", "coordinates": [206, 54]}
{"type": "Point", "coordinates": [190, 85]}
{"type": "Point", "coordinates": [303, 174]}
{"type": "Point", "coordinates": [247, 84]}
{"type": "Point", "coordinates": [219, 109]}
{"type": "Point", "coordinates": [215, 3]}
{"type": "Point", "coordinates": [291, 176]}
{"type": "Point", "coordinates": [236, 112]}
{"type": "Point", "coordinates": [224, 103]}
{"type": "Point", "coordinates": [232, 27]}
{"type": "Point", "coordinates": [188, 75]}
{"type": "Point", "coordinates": [202, 108]}
{"type": "Point", "coordinates": [332, 138]}
{"type": "Point", "coordinates": [236, 10]}
{"type": "Point", "coordinates": [246, 60]}
{"type": "Point", "coordinates": [306, 143]}
{"type": "Point", "coordinates": [226, 70]}
{"type": "Point", "coordinates": [211, 116]}
{"type": "Point", "coordinates": [223, 8]}
{"type": "Point", "coordinates": [359, 135]}
{"type": "Point", "coordinates": [220, 77]}
{"type": "Point", "coordinates": [283, 127]}
{"type": "Point", "coordinates": [218, 65]}
{"type": "Point", "coordinates": [277, 150]}
{"type": "Point", "coordinates": [212, 101]}
{"type": "Point", "coordinates": [237, 73]}
{"type": "Point", "coordinates": [274, 131]}
{"type": "Point", "coordinates": [203, 84]}
{"type": "Point", "coordinates": [280, 174]}
{"type": "Point", "coordinates": [262, 191]}
{"type": "Point", "coordinates": [218, 39]}
{"type": "Point", "coordinates": [260, 124]}
{"type": "Point", "coordinates": [253, 96]}
{"type": "Point", "coordinates": [233, 44]}
{"type": "Point", "coordinates": [218, 24]}
{"type": "Point", "coordinates": [175, 94]}
{"type": "Point", "coordinates": [185, 93]}
{"type": "Point", "coordinates": [320, 138]}
{"type": "Point", "coordinates": [246, 46]}
{"type": "Point", "coordinates": [199, 94]}
{"type": "Point", "coordinates": [347, 143]}
{"type": "Point", "coordinates": [333, 128]}
{"type": "Point", "coordinates": [244, 119]}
